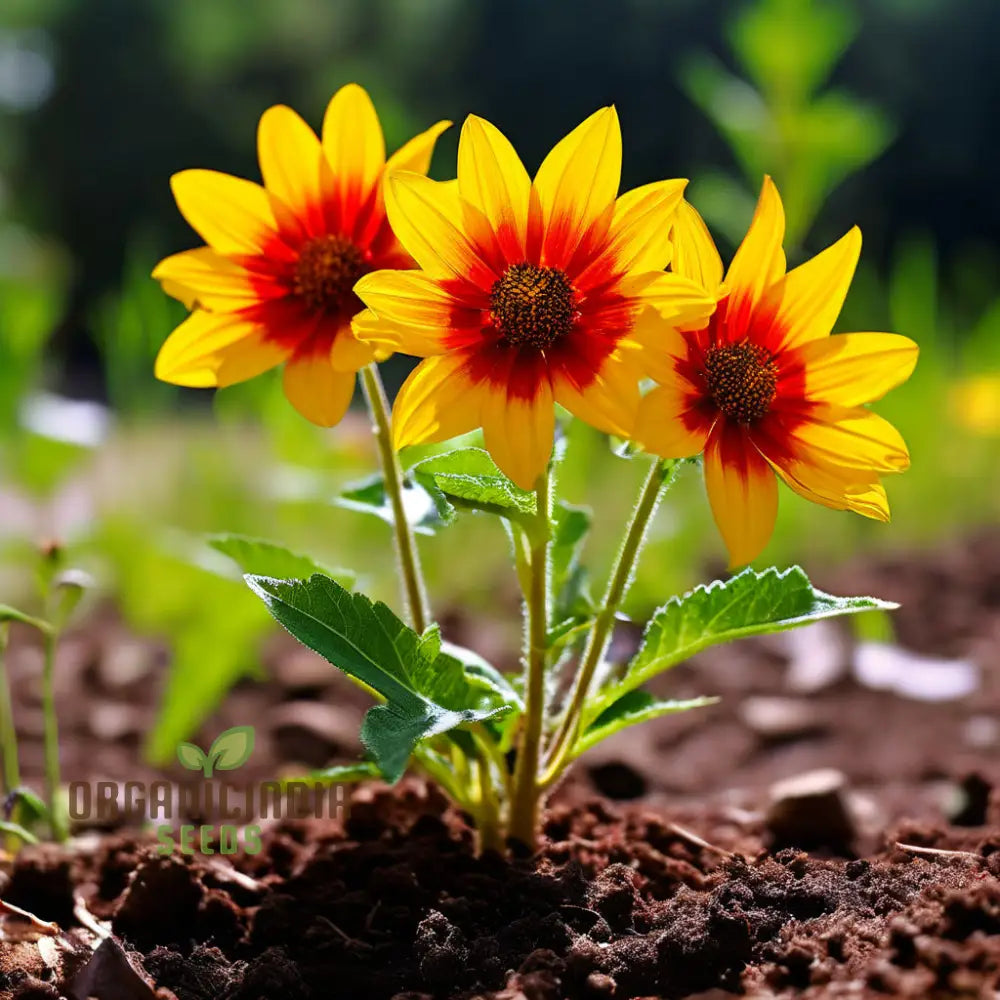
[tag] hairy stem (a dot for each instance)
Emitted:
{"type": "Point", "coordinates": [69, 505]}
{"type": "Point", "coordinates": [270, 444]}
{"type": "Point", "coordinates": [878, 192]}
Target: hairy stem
{"type": "Point", "coordinates": [57, 821]}
{"type": "Point", "coordinates": [600, 635]}
{"type": "Point", "coordinates": [526, 792]}
{"type": "Point", "coordinates": [414, 591]}
{"type": "Point", "coordinates": [8, 739]}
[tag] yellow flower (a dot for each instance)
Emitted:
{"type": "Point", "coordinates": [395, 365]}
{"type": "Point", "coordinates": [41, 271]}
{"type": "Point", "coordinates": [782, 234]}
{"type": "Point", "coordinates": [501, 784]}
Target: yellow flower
{"type": "Point", "coordinates": [528, 292]}
{"type": "Point", "coordinates": [764, 390]}
{"type": "Point", "coordinates": [275, 282]}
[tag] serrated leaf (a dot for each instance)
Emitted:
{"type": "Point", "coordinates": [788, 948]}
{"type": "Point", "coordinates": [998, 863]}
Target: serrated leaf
{"type": "Point", "coordinates": [231, 749]}
{"type": "Point", "coordinates": [629, 710]}
{"type": "Point", "coordinates": [263, 558]}
{"type": "Point", "coordinates": [427, 691]}
{"type": "Point", "coordinates": [469, 479]}
{"type": "Point", "coordinates": [369, 497]}
{"type": "Point", "coordinates": [191, 756]}
{"type": "Point", "coordinates": [750, 603]}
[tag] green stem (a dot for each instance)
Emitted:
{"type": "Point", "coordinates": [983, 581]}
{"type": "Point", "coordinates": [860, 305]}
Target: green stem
{"type": "Point", "coordinates": [414, 592]}
{"type": "Point", "coordinates": [52, 771]}
{"type": "Point", "coordinates": [8, 738]}
{"type": "Point", "coordinates": [526, 793]}
{"type": "Point", "coordinates": [600, 634]}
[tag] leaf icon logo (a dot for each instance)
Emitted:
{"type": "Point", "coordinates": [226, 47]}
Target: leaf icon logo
{"type": "Point", "coordinates": [231, 749]}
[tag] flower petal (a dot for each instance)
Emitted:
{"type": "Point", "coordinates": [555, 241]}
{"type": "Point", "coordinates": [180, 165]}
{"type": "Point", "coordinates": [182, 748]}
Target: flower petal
{"type": "Point", "coordinates": [519, 431]}
{"type": "Point", "coordinates": [808, 300]}
{"type": "Point", "coordinates": [855, 368]}
{"type": "Point", "coordinates": [742, 490]}
{"type": "Point", "coordinates": [319, 393]}
{"type": "Point", "coordinates": [206, 278]}
{"type": "Point", "coordinates": [230, 214]}
{"type": "Point", "coordinates": [759, 261]}
{"type": "Point", "coordinates": [492, 179]}
{"type": "Point", "coordinates": [577, 183]}
{"type": "Point", "coordinates": [673, 296]}
{"type": "Point", "coordinates": [421, 212]}
{"type": "Point", "coordinates": [658, 346]}
{"type": "Point", "coordinates": [293, 165]}
{"type": "Point", "coordinates": [194, 353]}
{"type": "Point", "coordinates": [695, 255]}
{"type": "Point", "coordinates": [416, 154]}
{"type": "Point", "coordinates": [412, 297]}
{"type": "Point", "coordinates": [389, 337]}
{"type": "Point", "coordinates": [353, 143]}
{"type": "Point", "coordinates": [851, 437]}
{"type": "Point", "coordinates": [350, 354]}
{"type": "Point", "coordinates": [608, 401]}
{"type": "Point", "coordinates": [438, 401]}
{"type": "Point", "coordinates": [669, 423]}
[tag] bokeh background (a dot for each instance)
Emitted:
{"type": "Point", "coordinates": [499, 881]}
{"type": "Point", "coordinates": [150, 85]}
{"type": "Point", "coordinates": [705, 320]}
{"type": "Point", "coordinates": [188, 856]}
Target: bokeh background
{"type": "Point", "coordinates": [876, 112]}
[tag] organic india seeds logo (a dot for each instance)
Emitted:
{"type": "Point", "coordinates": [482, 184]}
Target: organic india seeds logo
{"type": "Point", "coordinates": [229, 751]}
{"type": "Point", "coordinates": [207, 814]}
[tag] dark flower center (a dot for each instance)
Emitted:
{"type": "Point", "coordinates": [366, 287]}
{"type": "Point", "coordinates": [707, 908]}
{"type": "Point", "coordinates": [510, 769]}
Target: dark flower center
{"type": "Point", "coordinates": [326, 272]}
{"type": "Point", "coordinates": [533, 305]}
{"type": "Point", "coordinates": [742, 380]}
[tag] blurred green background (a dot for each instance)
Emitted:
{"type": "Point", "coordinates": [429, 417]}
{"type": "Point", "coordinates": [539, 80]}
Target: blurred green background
{"type": "Point", "coordinates": [876, 112]}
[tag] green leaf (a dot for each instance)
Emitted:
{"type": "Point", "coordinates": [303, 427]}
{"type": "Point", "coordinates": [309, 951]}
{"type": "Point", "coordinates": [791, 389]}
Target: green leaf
{"type": "Point", "coordinates": [469, 479]}
{"type": "Point", "coordinates": [16, 830]}
{"type": "Point", "coordinates": [262, 558]}
{"type": "Point", "coordinates": [231, 749]}
{"type": "Point", "coordinates": [427, 691]}
{"type": "Point", "coordinates": [629, 710]}
{"type": "Point", "coordinates": [343, 774]}
{"type": "Point", "coordinates": [191, 756]}
{"type": "Point", "coordinates": [750, 603]}
{"type": "Point", "coordinates": [369, 497]}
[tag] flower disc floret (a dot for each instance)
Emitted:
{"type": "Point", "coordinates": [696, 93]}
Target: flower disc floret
{"type": "Point", "coordinates": [742, 380]}
{"type": "Point", "coordinates": [326, 272]}
{"type": "Point", "coordinates": [533, 305]}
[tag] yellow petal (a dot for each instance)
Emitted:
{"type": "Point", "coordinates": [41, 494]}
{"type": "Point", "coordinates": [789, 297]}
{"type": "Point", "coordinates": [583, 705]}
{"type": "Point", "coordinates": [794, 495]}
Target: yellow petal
{"type": "Point", "coordinates": [206, 278]}
{"type": "Point", "coordinates": [437, 402]}
{"type": "Point", "coordinates": [348, 353]}
{"type": "Point", "coordinates": [855, 368]}
{"type": "Point", "coordinates": [851, 437]}
{"type": "Point", "coordinates": [743, 493]}
{"type": "Point", "coordinates": [230, 214]}
{"type": "Point", "coordinates": [639, 238]}
{"type": "Point", "coordinates": [421, 213]}
{"type": "Point", "coordinates": [319, 393]}
{"type": "Point", "coordinates": [492, 179]}
{"type": "Point", "coordinates": [609, 402]}
{"type": "Point", "coordinates": [416, 154]}
{"type": "Point", "coordinates": [353, 141]}
{"type": "Point", "coordinates": [808, 300]}
{"type": "Point", "coordinates": [292, 164]}
{"type": "Point", "coordinates": [194, 353]}
{"type": "Point", "coordinates": [409, 297]}
{"type": "Point", "coordinates": [836, 488]}
{"type": "Point", "coordinates": [668, 426]}
{"type": "Point", "coordinates": [519, 433]}
{"type": "Point", "coordinates": [389, 337]}
{"type": "Point", "coordinates": [673, 296]}
{"type": "Point", "coordinates": [695, 255]}
{"type": "Point", "coordinates": [578, 181]}
{"type": "Point", "coordinates": [657, 345]}
{"type": "Point", "coordinates": [759, 261]}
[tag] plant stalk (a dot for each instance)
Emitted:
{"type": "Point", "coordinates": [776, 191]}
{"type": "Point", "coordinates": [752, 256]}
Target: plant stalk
{"type": "Point", "coordinates": [600, 635]}
{"type": "Point", "coordinates": [57, 820]}
{"type": "Point", "coordinates": [8, 738]}
{"type": "Point", "coordinates": [414, 591]}
{"type": "Point", "coordinates": [526, 795]}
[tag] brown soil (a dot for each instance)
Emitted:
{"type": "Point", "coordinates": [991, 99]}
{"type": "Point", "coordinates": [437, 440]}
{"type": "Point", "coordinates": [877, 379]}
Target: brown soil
{"type": "Point", "coordinates": [874, 878]}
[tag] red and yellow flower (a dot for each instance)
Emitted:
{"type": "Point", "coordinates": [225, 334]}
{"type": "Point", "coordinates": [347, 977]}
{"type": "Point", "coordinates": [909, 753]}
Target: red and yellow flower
{"type": "Point", "coordinates": [765, 391]}
{"type": "Point", "coordinates": [529, 292]}
{"type": "Point", "coordinates": [274, 283]}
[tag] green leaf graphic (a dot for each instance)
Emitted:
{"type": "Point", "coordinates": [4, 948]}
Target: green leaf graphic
{"type": "Point", "coordinates": [231, 749]}
{"type": "Point", "coordinates": [191, 756]}
{"type": "Point", "coordinates": [750, 603]}
{"type": "Point", "coordinates": [427, 691]}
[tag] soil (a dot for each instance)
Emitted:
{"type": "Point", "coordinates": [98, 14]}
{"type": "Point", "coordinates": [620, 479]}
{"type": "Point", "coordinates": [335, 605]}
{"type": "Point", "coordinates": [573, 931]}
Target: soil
{"type": "Point", "coordinates": [830, 829]}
